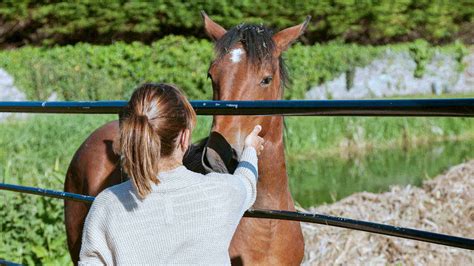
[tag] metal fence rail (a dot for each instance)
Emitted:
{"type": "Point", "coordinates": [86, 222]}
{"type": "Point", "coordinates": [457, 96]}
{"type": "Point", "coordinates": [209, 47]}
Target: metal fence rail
{"type": "Point", "coordinates": [371, 227]}
{"type": "Point", "coordinates": [463, 107]}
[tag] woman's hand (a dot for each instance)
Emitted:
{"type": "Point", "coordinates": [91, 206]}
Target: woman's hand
{"type": "Point", "coordinates": [253, 140]}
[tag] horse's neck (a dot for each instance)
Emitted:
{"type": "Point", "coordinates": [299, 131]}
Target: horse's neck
{"type": "Point", "coordinates": [273, 180]}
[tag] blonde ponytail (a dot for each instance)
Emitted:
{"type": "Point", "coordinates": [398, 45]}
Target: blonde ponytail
{"type": "Point", "coordinates": [140, 150]}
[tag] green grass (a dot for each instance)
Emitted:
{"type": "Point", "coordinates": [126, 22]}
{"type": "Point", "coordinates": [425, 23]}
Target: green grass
{"type": "Point", "coordinates": [325, 136]}
{"type": "Point", "coordinates": [442, 96]}
{"type": "Point", "coordinates": [37, 151]}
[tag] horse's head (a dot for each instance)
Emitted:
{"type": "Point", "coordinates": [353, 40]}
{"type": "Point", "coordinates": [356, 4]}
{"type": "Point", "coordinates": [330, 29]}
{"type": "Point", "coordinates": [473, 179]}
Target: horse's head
{"type": "Point", "coordinates": [248, 66]}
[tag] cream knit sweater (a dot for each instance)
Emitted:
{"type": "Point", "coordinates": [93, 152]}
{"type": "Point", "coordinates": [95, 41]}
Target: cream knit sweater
{"type": "Point", "coordinates": [188, 218]}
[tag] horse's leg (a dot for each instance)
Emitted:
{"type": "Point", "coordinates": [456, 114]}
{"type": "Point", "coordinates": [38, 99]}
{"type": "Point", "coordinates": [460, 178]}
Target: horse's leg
{"type": "Point", "coordinates": [93, 168]}
{"type": "Point", "coordinates": [268, 241]}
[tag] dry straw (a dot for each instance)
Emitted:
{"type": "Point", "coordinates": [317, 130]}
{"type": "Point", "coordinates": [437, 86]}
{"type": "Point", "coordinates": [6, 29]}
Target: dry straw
{"type": "Point", "coordinates": [444, 204]}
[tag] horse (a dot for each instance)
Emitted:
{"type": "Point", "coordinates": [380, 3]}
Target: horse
{"type": "Point", "coordinates": [248, 66]}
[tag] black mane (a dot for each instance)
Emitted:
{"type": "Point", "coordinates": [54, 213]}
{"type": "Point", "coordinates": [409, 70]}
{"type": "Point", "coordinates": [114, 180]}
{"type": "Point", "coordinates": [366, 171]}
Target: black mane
{"type": "Point", "coordinates": [257, 42]}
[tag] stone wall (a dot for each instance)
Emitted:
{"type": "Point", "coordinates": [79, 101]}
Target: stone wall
{"type": "Point", "coordinates": [8, 92]}
{"type": "Point", "coordinates": [393, 75]}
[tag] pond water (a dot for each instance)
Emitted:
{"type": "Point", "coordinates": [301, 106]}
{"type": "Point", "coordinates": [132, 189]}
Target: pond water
{"type": "Point", "coordinates": [314, 181]}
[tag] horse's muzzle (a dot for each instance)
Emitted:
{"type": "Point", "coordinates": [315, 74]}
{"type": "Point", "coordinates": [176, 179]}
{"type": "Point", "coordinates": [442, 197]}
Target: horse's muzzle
{"type": "Point", "coordinates": [218, 155]}
{"type": "Point", "coordinates": [212, 154]}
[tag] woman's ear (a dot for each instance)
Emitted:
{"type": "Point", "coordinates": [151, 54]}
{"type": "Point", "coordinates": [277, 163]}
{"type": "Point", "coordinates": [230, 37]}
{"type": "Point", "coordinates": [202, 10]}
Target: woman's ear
{"type": "Point", "coordinates": [185, 139]}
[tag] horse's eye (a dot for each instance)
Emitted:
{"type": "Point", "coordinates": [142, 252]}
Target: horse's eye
{"type": "Point", "coordinates": [266, 81]}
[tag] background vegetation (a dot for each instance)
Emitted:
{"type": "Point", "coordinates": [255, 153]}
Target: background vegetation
{"type": "Point", "coordinates": [367, 21]}
{"type": "Point", "coordinates": [93, 72]}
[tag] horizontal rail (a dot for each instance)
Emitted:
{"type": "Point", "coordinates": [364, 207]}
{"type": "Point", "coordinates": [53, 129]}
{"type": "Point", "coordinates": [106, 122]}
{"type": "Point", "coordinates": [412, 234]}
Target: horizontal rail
{"type": "Point", "coordinates": [47, 193]}
{"type": "Point", "coordinates": [8, 263]}
{"type": "Point", "coordinates": [462, 107]}
{"type": "Point", "coordinates": [371, 227]}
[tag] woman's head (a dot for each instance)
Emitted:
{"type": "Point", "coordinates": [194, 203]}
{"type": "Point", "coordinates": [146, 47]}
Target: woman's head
{"type": "Point", "coordinates": [156, 124]}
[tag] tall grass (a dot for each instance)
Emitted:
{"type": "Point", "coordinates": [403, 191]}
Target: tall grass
{"type": "Point", "coordinates": [326, 135]}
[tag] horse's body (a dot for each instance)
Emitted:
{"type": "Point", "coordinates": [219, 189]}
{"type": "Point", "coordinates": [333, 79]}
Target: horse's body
{"type": "Point", "coordinates": [248, 67]}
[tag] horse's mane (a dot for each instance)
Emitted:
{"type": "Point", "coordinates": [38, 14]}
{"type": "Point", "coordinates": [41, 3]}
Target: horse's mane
{"type": "Point", "coordinates": [257, 42]}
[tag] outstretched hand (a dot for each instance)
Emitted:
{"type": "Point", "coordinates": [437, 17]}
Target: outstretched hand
{"type": "Point", "coordinates": [255, 141]}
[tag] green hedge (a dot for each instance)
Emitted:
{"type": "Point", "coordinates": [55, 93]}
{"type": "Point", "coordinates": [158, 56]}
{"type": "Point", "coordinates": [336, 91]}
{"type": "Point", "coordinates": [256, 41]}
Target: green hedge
{"type": "Point", "coordinates": [375, 22]}
{"type": "Point", "coordinates": [91, 72]}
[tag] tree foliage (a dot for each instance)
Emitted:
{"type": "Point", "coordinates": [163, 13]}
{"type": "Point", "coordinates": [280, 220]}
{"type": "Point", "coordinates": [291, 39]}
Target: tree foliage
{"type": "Point", "coordinates": [366, 21]}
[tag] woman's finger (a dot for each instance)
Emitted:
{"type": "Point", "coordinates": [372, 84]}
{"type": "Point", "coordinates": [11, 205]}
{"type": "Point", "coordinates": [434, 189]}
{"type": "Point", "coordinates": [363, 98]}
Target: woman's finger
{"type": "Point", "coordinates": [256, 130]}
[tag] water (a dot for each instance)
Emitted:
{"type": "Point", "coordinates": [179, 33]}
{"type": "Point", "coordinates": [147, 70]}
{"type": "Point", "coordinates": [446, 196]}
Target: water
{"type": "Point", "coordinates": [314, 181]}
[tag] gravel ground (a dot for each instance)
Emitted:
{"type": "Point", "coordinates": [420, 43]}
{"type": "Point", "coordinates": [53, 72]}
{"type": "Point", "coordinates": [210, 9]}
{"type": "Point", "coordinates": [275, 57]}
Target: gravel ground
{"type": "Point", "coordinates": [444, 205]}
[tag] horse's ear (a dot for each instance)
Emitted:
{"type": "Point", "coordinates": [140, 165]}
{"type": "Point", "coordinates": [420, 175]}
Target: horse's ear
{"type": "Point", "coordinates": [213, 30]}
{"type": "Point", "coordinates": [284, 38]}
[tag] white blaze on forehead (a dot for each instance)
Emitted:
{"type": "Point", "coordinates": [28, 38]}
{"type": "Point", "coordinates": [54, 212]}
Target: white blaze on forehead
{"type": "Point", "coordinates": [236, 55]}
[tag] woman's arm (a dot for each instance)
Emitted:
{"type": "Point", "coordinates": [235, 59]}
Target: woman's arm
{"type": "Point", "coordinates": [248, 167]}
{"type": "Point", "coordinates": [247, 170]}
{"type": "Point", "coordinates": [244, 180]}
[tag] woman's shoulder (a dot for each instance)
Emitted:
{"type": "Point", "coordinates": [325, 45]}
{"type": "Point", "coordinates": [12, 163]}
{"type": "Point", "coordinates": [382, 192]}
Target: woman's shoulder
{"type": "Point", "coordinates": [115, 194]}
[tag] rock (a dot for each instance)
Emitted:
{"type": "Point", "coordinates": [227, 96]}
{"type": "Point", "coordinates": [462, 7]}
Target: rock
{"type": "Point", "coordinates": [393, 75]}
{"type": "Point", "coordinates": [8, 92]}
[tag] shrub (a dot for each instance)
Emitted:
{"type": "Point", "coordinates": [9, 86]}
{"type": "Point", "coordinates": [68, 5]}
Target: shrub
{"type": "Point", "coordinates": [103, 22]}
{"type": "Point", "coordinates": [91, 72]}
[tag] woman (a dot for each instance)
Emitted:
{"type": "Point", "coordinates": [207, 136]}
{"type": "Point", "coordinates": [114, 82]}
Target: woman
{"type": "Point", "coordinates": [166, 214]}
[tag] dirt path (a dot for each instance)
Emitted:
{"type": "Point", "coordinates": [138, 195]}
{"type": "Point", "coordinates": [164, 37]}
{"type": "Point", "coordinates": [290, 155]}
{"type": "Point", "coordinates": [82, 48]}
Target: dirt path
{"type": "Point", "coordinates": [444, 204]}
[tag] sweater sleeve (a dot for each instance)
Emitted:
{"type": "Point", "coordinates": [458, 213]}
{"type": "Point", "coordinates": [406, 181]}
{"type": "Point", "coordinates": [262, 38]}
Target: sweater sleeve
{"type": "Point", "coordinates": [94, 249]}
{"type": "Point", "coordinates": [247, 169]}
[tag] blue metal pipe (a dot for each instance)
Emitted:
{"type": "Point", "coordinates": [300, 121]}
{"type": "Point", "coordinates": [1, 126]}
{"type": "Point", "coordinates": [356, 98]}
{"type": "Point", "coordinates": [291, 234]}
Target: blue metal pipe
{"type": "Point", "coordinates": [47, 193]}
{"type": "Point", "coordinates": [8, 263]}
{"type": "Point", "coordinates": [371, 227]}
{"type": "Point", "coordinates": [463, 107]}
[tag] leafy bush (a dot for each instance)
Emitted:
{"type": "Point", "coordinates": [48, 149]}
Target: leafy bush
{"type": "Point", "coordinates": [92, 72]}
{"type": "Point", "coordinates": [57, 22]}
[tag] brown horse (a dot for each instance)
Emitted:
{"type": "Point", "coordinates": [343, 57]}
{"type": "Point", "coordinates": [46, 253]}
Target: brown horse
{"type": "Point", "coordinates": [248, 67]}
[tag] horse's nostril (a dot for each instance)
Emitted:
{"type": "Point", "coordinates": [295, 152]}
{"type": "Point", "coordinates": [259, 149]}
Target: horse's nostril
{"type": "Point", "coordinates": [234, 154]}
{"type": "Point", "coordinates": [232, 165]}
{"type": "Point", "coordinates": [218, 155]}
